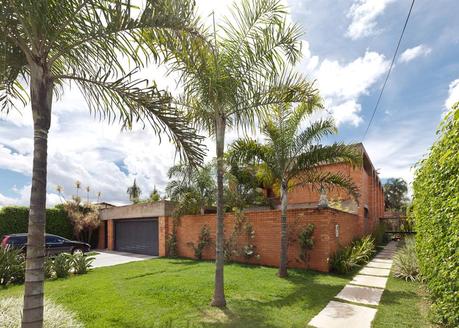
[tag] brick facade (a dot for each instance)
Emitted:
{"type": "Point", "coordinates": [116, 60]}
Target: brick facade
{"type": "Point", "coordinates": [361, 220]}
{"type": "Point", "coordinates": [267, 227]}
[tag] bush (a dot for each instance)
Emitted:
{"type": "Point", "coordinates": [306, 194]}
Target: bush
{"type": "Point", "coordinates": [405, 261]}
{"type": "Point", "coordinates": [55, 316]}
{"type": "Point", "coordinates": [306, 242]}
{"type": "Point", "coordinates": [48, 268]}
{"type": "Point", "coordinates": [436, 208]}
{"type": "Point", "coordinates": [204, 241]}
{"type": "Point", "coordinates": [12, 266]}
{"type": "Point", "coordinates": [81, 263]}
{"type": "Point", "coordinates": [354, 255]}
{"type": "Point", "coordinates": [14, 219]}
{"type": "Point", "coordinates": [62, 264]}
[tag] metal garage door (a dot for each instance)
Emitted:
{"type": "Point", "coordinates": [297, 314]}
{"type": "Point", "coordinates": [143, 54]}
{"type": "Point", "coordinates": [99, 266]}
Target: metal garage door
{"type": "Point", "coordinates": [137, 236]}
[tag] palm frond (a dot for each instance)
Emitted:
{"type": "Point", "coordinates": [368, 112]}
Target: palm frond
{"type": "Point", "coordinates": [132, 101]}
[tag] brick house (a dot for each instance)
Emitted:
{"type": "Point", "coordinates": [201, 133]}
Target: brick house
{"type": "Point", "coordinates": [143, 228]}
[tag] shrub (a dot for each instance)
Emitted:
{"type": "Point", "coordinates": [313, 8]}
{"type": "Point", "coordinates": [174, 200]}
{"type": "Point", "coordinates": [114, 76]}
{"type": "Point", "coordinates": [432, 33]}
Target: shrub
{"type": "Point", "coordinates": [306, 242]}
{"type": "Point", "coordinates": [350, 257]}
{"type": "Point", "coordinates": [203, 242]}
{"type": "Point", "coordinates": [12, 266]}
{"type": "Point", "coordinates": [14, 219]}
{"type": "Point", "coordinates": [55, 316]}
{"type": "Point", "coordinates": [81, 263]}
{"type": "Point", "coordinates": [48, 267]}
{"type": "Point", "coordinates": [405, 261]}
{"type": "Point", "coordinates": [436, 208]}
{"type": "Point", "coordinates": [62, 264]}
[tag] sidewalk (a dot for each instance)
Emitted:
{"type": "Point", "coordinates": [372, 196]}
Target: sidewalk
{"type": "Point", "coordinates": [355, 305]}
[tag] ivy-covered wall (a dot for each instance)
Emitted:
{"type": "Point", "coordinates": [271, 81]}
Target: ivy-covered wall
{"type": "Point", "coordinates": [14, 219]}
{"type": "Point", "coordinates": [436, 210]}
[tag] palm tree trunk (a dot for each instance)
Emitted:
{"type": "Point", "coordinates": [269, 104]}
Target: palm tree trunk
{"type": "Point", "coordinates": [284, 242]}
{"type": "Point", "coordinates": [219, 292]}
{"type": "Point", "coordinates": [41, 96]}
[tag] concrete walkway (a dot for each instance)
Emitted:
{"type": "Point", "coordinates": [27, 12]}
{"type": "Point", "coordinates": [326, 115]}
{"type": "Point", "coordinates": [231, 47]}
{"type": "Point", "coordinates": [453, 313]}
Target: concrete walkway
{"type": "Point", "coordinates": [109, 258]}
{"type": "Point", "coordinates": [355, 303]}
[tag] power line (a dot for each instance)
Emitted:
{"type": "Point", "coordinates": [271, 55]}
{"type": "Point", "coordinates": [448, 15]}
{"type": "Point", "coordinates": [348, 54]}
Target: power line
{"type": "Point", "coordinates": [389, 71]}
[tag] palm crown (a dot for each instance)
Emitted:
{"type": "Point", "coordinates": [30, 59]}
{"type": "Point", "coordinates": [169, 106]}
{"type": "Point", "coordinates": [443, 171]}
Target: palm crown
{"type": "Point", "coordinates": [293, 156]}
{"type": "Point", "coordinates": [90, 43]}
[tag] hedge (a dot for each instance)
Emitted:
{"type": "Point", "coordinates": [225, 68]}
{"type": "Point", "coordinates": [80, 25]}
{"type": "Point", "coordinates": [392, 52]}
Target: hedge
{"type": "Point", "coordinates": [436, 211]}
{"type": "Point", "coordinates": [14, 219]}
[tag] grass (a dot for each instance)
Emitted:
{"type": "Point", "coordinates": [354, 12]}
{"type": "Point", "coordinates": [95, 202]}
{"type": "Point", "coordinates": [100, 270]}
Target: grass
{"type": "Point", "coordinates": [177, 293]}
{"type": "Point", "coordinates": [403, 304]}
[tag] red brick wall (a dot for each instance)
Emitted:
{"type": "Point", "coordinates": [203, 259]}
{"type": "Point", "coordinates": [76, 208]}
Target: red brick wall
{"type": "Point", "coordinates": [110, 235]}
{"type": "Point", "coordinates": [267, 235]}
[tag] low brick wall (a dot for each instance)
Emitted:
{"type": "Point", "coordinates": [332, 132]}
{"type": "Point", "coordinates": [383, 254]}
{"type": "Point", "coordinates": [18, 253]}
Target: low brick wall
{"type": "Point", "coordinates": [267, 235]}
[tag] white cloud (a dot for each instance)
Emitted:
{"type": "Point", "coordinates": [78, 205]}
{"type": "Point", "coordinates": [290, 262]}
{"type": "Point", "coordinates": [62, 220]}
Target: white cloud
{"type": "Point", "coordinates": [23, 198]}
{"type": "Point", "coordinates": [412, 53]}
{"type": "Point", "coordinates": [453, 94]}
{"type": "Point", "coordinates": [342, 85]}
{"type": "Point", "coordinates": [347, 112]}
{"type": "Point", "coordinates": [364, 14]}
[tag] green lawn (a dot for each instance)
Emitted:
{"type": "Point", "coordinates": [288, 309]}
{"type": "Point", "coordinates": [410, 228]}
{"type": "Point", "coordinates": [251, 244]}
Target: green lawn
{"type": "Point", "coordinates": [177, 293]}
{"type": "Point", "coordinates": [403, 304]}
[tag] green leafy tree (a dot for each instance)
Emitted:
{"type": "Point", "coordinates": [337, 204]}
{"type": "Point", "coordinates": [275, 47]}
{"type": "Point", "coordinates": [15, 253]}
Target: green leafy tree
{"type": "Point", "coordinates": [134, 192]}
{"type": "Point", "coordinates": [293, 157]}
{"type": "Point", "coordinates": [232, 77]}
{"type": "Point", "coordinates": [192, 188]}
{"type": "Point", "coordinates": [154, 195]}
{"type": "Point", "coordinates": [395, 194]}
{"type": "Point", "coordinates": [46, 45]}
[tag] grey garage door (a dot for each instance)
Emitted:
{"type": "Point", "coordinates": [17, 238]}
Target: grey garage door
{"type": "Point", "coordinates": [137, 236]}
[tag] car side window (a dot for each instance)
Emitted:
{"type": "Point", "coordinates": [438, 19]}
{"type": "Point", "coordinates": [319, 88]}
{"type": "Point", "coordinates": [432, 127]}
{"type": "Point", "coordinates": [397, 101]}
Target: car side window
{"type": "Point", "coordinates": [52, 239]}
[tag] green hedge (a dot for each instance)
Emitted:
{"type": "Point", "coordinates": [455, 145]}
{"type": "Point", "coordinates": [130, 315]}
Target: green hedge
{"type": "Point", "coordinates": [436, 211]}
{"type": "Point", "coordinates": [14, 219]}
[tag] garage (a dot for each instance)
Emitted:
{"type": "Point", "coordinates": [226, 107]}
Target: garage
{"type": "Point", "coordinates": [137, 236]}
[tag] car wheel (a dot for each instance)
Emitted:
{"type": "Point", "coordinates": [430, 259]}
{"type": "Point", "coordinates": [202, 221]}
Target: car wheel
{"type": "Point", "coordinates": [77, 251]}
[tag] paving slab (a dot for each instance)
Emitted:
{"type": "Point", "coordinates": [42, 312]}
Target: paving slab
{"type": "Point", "coordinates": [375, 271]}
{"type": "Point", "coordinates": [379, 265]}
{"type": "Point", "coordinates": [381, 261]}
{"type": "Point", "coordinates": [339, 315]}
{"type": "Point", "coordinates": [360, 294]}
{"type": "Point", "coordinates": [369, 281]}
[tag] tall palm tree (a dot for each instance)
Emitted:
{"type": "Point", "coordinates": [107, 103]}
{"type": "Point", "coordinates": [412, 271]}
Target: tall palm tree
{"type": "Point", "coordinates": [134, 192]}
{"type": "Point", "coordinates": [395, 194]}
{"type": "Point", "coordinates": [292, 157]}
{"type": "Point", "coordinates": [232, 77]}
{"type": "Point", "coordinates": [88, 189]}
{"type": "Point", "coordinates": [48, 44]}
{"type": "Point", "coordinates": [192, 188]}
{"type": "Point", "coordinates": [77, 187]}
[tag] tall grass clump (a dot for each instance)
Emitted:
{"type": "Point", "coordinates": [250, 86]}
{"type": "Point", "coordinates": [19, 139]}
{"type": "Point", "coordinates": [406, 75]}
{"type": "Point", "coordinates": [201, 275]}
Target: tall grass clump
{"type": "Point", "coordinates": [356, 254]}
{"type": "Point", "coordinates": [405, 261]}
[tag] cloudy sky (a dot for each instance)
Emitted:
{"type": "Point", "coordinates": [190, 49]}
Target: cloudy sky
{"type": "Point", "coordinates": [347, 48]}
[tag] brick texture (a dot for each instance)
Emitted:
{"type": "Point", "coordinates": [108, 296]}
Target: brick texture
{"type": "Point", "coordinates": [267, 235]}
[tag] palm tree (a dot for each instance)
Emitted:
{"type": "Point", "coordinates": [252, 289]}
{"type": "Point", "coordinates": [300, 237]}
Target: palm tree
{"type": "Point", "coordinates": [60, 191]}
{"type": "Point", "coordinates": [134, 192]}
{"type": "Point", "coordinates": [78, 187]}
{"type": "Point", "coordinates": [48, 44]}
{"type": "Point", "coordinates": [395, 191]}
{"type": "Point", "coordinates": [192, 188]}
{"type": "Point", "coordinates": [232, 77]}
{"type": "Point", "coordinates": [292, 157]}
{"type": "Point", "coordinates": [99, 194]}
{"type": "Point", "coordinates": [88, 189]}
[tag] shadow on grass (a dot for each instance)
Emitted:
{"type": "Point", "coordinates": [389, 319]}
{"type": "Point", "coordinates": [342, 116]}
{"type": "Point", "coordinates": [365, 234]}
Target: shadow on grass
{"type": "Point", "coordinates": [294, 309]}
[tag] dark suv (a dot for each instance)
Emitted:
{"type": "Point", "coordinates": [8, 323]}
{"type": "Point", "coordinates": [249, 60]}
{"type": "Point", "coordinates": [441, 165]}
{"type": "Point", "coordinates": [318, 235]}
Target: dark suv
{"type": "Point", "coordinates": [54, 244]}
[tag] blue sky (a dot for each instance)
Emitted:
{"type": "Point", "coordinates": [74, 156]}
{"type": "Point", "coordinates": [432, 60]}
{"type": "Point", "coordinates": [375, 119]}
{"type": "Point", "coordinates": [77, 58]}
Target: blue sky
{"type": "Point", "coordinates": [347, 49]}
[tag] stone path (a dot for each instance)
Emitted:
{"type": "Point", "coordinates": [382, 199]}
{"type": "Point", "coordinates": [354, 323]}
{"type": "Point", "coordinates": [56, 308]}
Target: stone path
{"type": "Point", "coordinates": [355, 303]}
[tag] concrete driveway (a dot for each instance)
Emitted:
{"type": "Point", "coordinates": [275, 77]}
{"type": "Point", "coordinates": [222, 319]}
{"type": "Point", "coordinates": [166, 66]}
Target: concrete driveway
{"type": "Point", "coordinates": [109, 258]}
